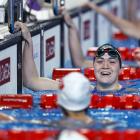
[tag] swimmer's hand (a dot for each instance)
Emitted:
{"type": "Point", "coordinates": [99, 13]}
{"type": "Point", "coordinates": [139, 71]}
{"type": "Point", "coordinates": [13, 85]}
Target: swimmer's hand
{"type": "Point", "coordinates": [90, 5]}
{"type": "Point", "coordinates": [67, 19]}
{"type": "Point", "coordinates": [19, 26]}
{"type": "Point", "coordinates": [5, 117]}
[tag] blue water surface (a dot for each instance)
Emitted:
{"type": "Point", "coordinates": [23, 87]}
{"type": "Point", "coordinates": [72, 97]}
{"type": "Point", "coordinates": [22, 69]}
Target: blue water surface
{"type": "Point", "coordinates": [121, 119]}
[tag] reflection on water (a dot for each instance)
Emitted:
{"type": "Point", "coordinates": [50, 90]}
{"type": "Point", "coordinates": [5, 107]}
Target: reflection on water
{"type": "Point", "coordinates": [124, 118]}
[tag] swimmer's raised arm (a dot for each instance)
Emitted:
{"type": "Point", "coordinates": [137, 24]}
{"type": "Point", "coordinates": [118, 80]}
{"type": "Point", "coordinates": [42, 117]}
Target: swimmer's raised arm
{"type": "Point", "coordinates": [31, 78]}
{"type": "Point", "coordinates": [128, 27]}
{"type": "Point", "coordinates": [74, 44]}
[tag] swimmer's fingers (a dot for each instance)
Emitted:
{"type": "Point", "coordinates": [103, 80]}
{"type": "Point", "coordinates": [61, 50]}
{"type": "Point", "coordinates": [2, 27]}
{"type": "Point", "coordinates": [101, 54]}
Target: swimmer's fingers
{"type": "Point", "coordinates": [5, 117]}
{"type": "Point", "coordinates": [67, 18]}
{"type": "Point", "coordinates": [19, 26]}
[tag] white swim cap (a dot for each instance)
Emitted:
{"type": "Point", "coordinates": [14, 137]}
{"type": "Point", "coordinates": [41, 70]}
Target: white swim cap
{"type": "Point", "coordinates": [71, 135]}
{"type": "Point", "coordinates": [75, 94]}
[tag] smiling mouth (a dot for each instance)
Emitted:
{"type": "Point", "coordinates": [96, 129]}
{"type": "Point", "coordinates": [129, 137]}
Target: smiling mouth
{"type": "Point", "coordinates": [105, 73]}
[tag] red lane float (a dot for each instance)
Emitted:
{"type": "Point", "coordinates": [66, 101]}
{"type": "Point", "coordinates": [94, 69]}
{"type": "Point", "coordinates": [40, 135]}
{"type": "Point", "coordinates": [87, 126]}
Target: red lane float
{"type": "Point", "coordinates": [36, 134]}
{"type": "Point", "coordinates": [137, 73]}
{"type": "Point", "coordinates": [126, 73]}
{"type": "Point", "coordinates": [3, 134]}
{"type": "Point", "coordinates": [49, 101]}
{"type": "Point", "coordinates": [90, 134]}
{"type": "Point", "coordinates": [58, 73]}
{"type": "Point", "coordinates": [92, 51]}
{"type": "Point", "coordinates": [108, 134]}
{"type": "Point", "coordinates": [130, 54]}
{"type": "Point", "coordinates": [118, 102]}
{"type": "Point", "coordinates": [89, 73]}
{"type": "Point", "coordinates": [16, 101]}
{"type": "Point", "coordinates": [136, 53]}
{"type": "Point", "coordinates": [120, 36]}
{"type": "Point", "coordinates": [125, 53]}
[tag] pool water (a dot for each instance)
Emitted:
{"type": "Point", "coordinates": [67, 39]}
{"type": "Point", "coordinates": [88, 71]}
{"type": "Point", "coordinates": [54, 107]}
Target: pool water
{"type": "Point", "coordinates": [122, 119]}
{"type": "Point", "coordinates": [128, 87]}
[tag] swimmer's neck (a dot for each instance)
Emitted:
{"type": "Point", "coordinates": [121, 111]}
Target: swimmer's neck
{"type": "Point", "coordinates": [81, 116]}
{"type": "Point", "coordinates": [112, 87]}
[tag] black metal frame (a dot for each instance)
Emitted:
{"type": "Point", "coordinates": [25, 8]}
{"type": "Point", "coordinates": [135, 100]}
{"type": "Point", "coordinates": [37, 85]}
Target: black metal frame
{"type": "Point", "coordinates": [9, 42]}
{"type": "Point", "coordinates": [46, 26]}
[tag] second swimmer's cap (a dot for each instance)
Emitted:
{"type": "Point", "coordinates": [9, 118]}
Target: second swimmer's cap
{"type": "Point", "coordinates": [71, 135]}
{"type": "Point", "coordinates": [75, 94]}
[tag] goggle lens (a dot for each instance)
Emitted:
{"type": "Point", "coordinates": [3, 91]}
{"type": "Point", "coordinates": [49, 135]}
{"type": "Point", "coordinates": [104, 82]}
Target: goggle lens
{"type": "Point", "coordinates": [111, 52]}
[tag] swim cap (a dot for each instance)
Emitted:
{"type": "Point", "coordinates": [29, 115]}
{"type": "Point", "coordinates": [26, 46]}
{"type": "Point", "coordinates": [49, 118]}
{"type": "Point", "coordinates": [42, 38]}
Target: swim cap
{"type": "Point", "coordinates": [111, 50]}
{"type": "Point", "coordinates": [71, 135]}
{"type": "Point", "coordinates": [75, 94]}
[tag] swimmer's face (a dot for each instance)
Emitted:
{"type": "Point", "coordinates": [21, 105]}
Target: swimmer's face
{"type": "Point", "coordinates": [136, 54]}
{"type": "Point", "coordinates": [106, 69]}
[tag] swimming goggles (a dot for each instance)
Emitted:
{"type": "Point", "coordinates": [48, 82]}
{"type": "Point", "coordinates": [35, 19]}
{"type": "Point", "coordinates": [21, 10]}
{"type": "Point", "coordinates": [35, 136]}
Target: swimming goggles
{"type": "Point", "coordinates": [111, 50]}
